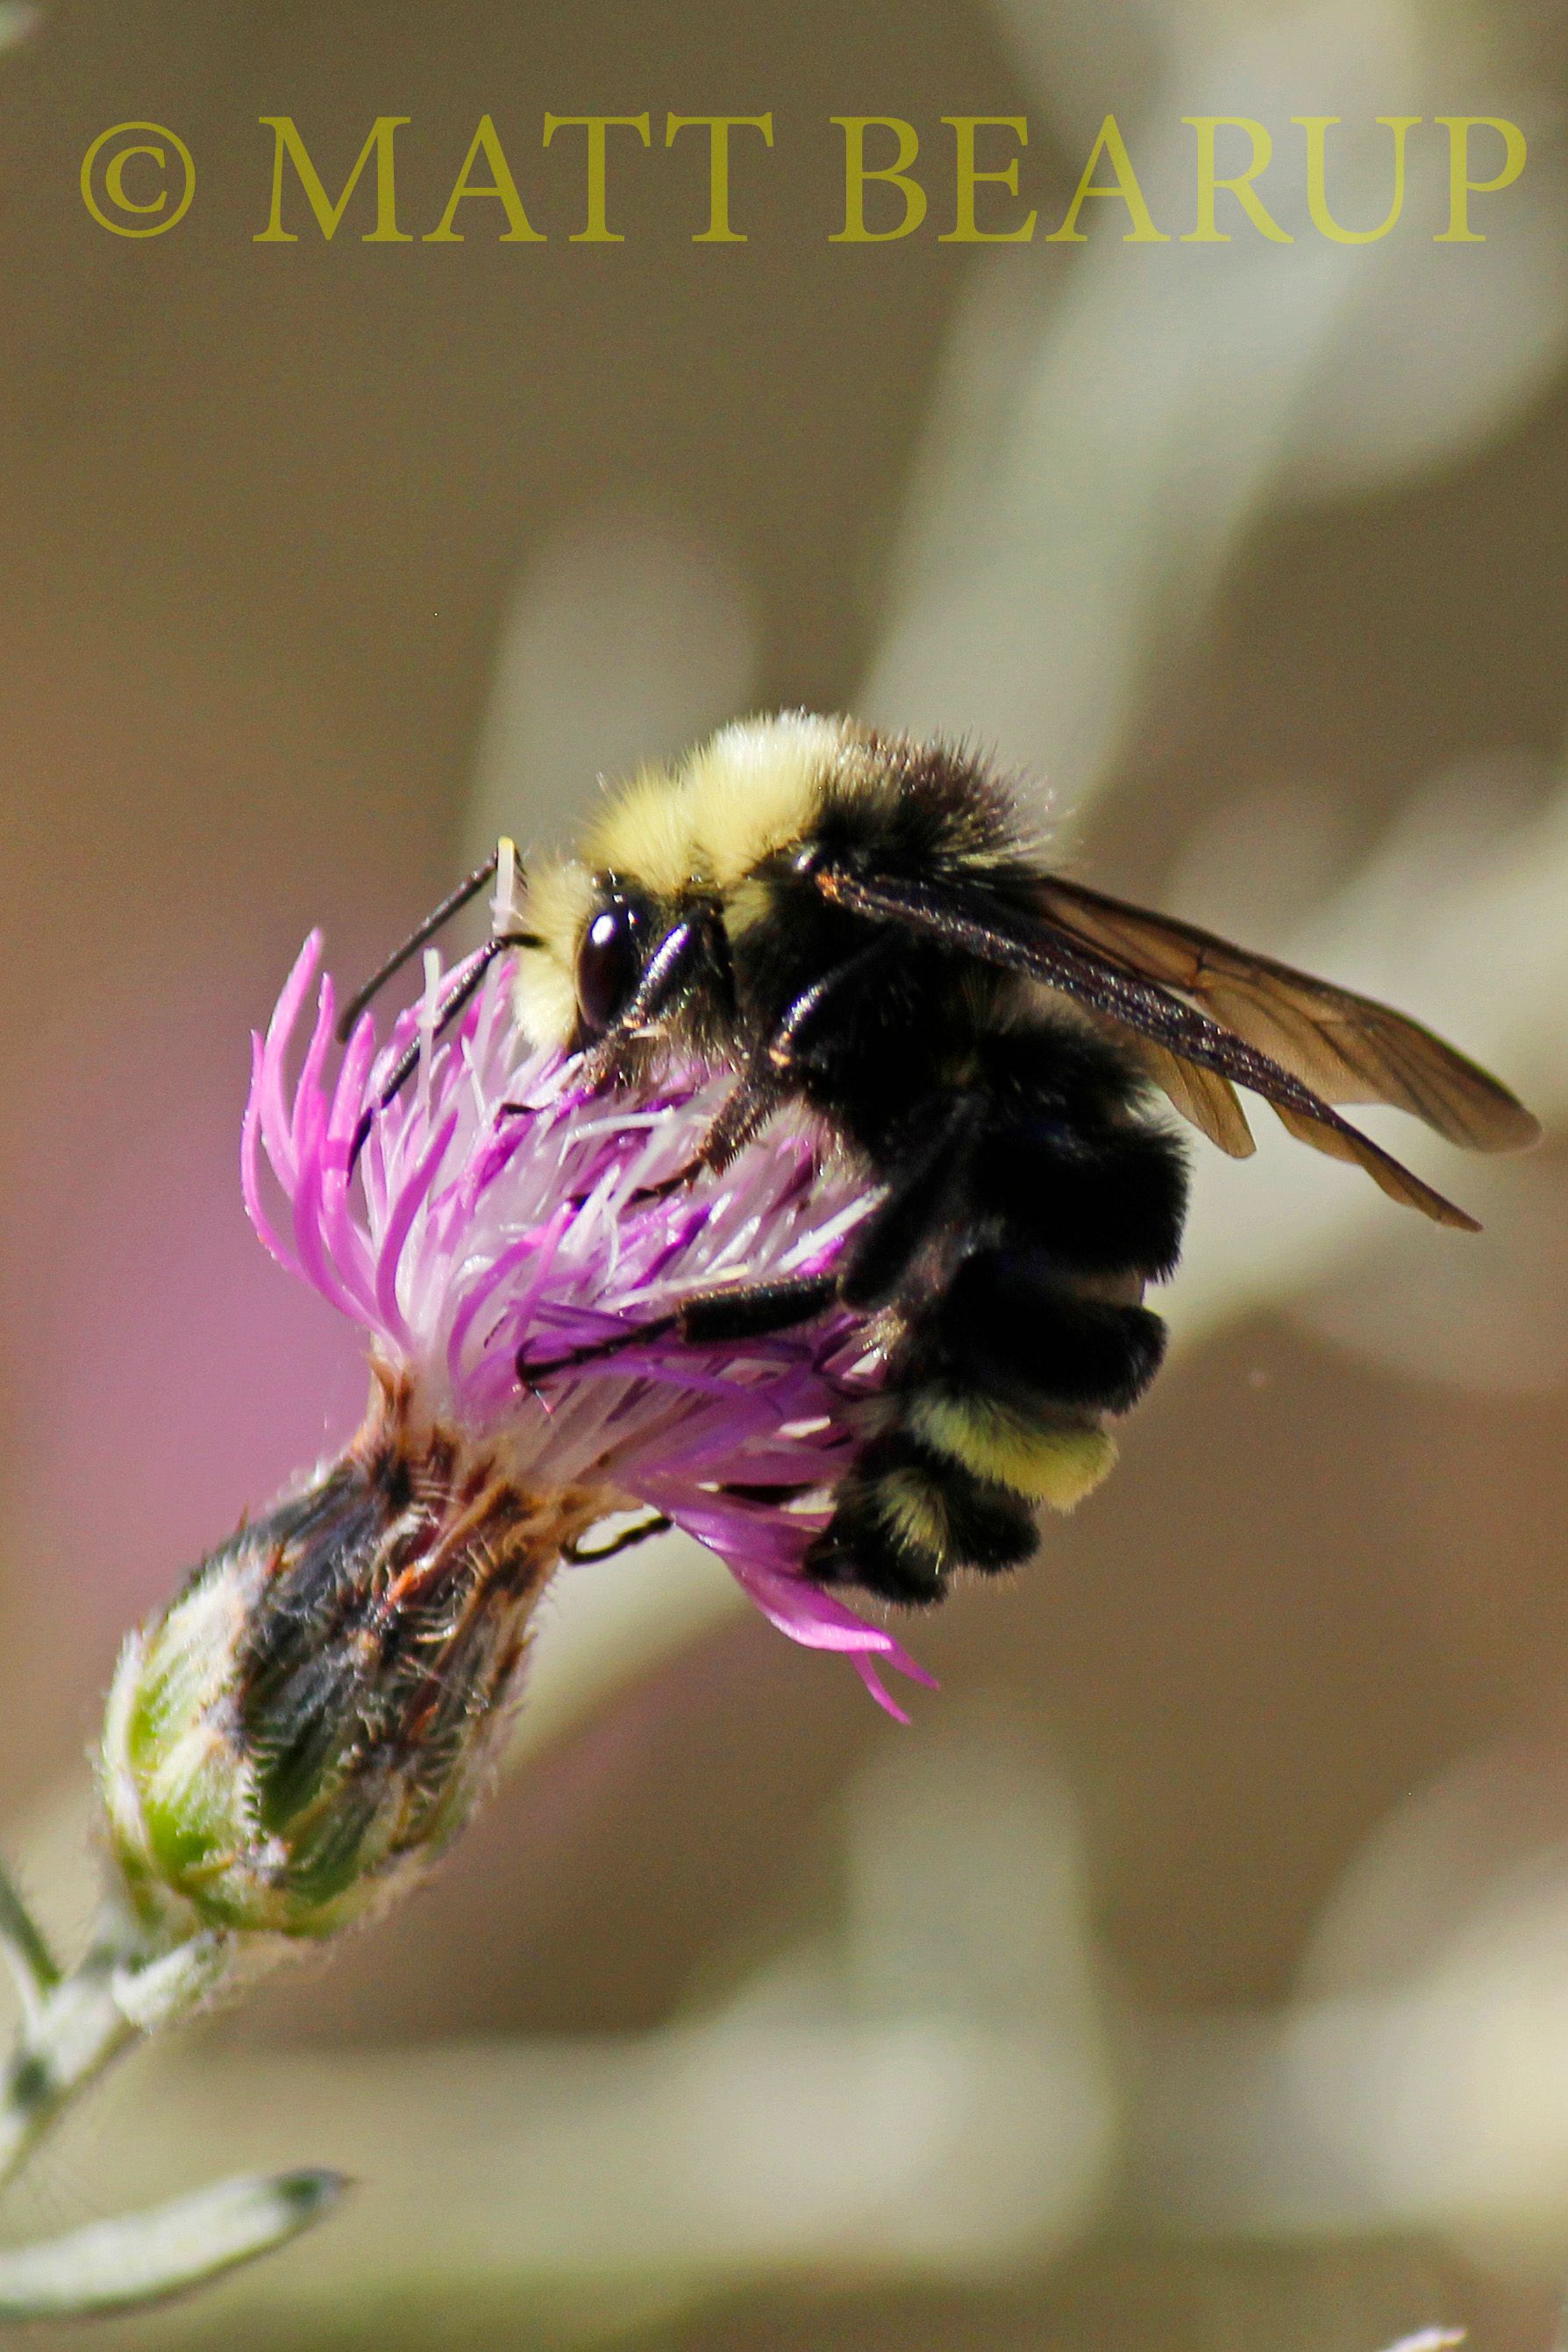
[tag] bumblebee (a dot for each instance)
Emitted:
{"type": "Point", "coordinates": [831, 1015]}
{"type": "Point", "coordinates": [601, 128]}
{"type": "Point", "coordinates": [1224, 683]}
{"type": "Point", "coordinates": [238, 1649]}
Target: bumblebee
{"type": "Point", "coordinates": [858, 925]}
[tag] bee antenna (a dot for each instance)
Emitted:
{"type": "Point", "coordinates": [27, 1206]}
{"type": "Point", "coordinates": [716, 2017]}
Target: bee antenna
{"type": "Point", "coordinates": [438, 916]}
{"type": "Point", "coordinates": [409, 1061]}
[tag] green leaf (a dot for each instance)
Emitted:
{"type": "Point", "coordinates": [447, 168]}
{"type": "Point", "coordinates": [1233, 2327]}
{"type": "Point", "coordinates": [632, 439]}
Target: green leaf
{"type": "Point", "coordinates": [144, 2257]}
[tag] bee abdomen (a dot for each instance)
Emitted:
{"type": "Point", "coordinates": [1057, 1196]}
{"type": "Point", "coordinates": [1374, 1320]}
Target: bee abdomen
{"type": "Point", "coordinates": [1009, 1324]}
{"type": "Point", "coordinates": [999, 1398]}
{"type": "Point", "coordinates": [1106, 1202]}
{"type": "Point", "coordinates": [1017, 1368]}
{"type": "Point", "coordinates": [1048, 1455]}
{"type": "Point", "coordinates": [909, 1512]}
{"type": "Point", "coordinates": [1024, 1327]}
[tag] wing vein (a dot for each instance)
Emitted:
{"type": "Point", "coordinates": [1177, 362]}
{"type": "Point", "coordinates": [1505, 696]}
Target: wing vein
{"type": "Point", "coordinates": [1038, 948]}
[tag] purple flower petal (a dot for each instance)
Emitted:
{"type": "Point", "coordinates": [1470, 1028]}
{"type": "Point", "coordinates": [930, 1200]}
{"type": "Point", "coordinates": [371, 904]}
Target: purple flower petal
{"type": "Point", "coordinates": [498, 1211]}
{"type": "Point", "coordinates": [251, 1167]}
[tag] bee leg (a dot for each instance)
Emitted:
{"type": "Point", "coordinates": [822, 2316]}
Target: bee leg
{"type": "Point", "coordinates": [738, 1120]}
{"type": "Point", "coordinates": [747, 1310]}
{"type": "Point", "coordinates": [773, 1066]}
{"type": "Point", "coordinates": [682, 952]}
{"type": "Point", "coordinates": [780, 1058]}
{"type": "Point", "coordinates": [741, 1311]}
{"type": "Point", "coordinates": [880, 1255]}
{"type": "Point", "coordinates": [785, 1050]}
{"type": "Point", "coordinates": [887, 1241]}
{"type": "Point", "coordinates": [656, 1524]}
{"type": "Point", "coordinates": [530, 1373]}
{"type": "Point", "coordinates": [777, 1061]}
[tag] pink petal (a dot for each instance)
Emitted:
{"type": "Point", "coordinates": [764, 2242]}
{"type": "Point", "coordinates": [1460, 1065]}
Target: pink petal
{"type": "Point", "coordinates": [400, 1224]}
{"type": "Point", "coordinates": [250, 1165]}
{"type": "Point", "coordinates": [276, 1123]}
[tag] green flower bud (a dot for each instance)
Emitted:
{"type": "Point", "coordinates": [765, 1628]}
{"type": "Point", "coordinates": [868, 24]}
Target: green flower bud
{"type": "Point", "coordinates": [308, 1723]}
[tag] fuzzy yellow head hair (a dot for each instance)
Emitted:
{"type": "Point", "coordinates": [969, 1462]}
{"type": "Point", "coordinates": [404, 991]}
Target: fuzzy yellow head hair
{"type": "Point", "coordinates": [700, 826]}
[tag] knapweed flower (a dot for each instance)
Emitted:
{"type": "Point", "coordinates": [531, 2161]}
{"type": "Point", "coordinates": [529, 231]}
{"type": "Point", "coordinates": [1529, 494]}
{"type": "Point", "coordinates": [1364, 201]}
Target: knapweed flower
{"type": "Point", "coordinates": [313, 1715]}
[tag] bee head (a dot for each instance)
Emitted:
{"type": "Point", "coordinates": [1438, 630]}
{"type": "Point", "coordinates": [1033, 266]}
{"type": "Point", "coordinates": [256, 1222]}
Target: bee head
{"type": "Point", "coordinates": [613, 947]}
{"type": "Point", "coordinates": [672, 844]}
{"type": "Point", "coordinates": [594, 936]}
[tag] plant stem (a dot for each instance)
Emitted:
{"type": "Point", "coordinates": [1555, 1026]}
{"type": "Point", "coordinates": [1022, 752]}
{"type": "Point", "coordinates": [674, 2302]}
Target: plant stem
{"type": "Point", "coordinates": [33, 1964]}
{"type": "Point", "coordinates": [74, 2027]}
{"type": "Point", "coordinates": [85, 2019]}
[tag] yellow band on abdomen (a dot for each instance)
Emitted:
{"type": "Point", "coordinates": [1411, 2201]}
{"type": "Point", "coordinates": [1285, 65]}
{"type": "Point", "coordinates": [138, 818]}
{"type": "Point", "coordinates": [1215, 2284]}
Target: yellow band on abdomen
{"type": "Point", "coordinates": [1056, 1464]}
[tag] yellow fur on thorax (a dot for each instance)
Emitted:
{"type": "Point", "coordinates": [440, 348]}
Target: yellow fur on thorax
{"type": "Point", "coordinates": [752, 789]}
{"type": "Point", "coordinates": [645, 834]}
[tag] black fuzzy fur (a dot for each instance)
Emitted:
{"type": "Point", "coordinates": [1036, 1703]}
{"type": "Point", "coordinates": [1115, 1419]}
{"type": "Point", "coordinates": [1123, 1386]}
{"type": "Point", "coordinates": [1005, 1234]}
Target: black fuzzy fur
{"type": "Point", "coordinates": [1009, 1323]}
{"type": "Point", "coordinates": [985, 1526]}
{"type": "Point", "coordinates": [1023, 1173]}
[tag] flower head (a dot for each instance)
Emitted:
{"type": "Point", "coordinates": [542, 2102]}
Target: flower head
{"type": "Point", "coordinates": [313, 1714]}
{"type": "Point", "coordinates": [501, 1223]}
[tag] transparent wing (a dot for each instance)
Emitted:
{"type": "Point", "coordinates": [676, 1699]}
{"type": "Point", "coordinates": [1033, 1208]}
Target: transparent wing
{"type": "Point", "coordinates": [1347, 1048]}
{"type": "Point", "coordinates": [1198, 1057]}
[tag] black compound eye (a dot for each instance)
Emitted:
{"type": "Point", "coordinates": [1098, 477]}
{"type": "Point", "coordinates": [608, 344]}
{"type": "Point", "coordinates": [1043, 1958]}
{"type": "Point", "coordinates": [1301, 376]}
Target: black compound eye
{"type": "Point", "coordinates": [609, 965]}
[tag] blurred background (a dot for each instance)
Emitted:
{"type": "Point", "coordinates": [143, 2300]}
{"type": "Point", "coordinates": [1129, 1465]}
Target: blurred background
{"type": "Point", "coordinates": [1193, 1977]}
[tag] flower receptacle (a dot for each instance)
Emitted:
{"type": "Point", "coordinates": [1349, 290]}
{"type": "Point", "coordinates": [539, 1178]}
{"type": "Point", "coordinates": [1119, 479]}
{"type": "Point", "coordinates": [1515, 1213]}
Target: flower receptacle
{"type": "Point", "coordinates": [308, 1723]}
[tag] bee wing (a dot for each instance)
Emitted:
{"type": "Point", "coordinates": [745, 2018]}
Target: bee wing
{"type": "Point", "coordinates": [1348, 1048]}
{"type": "Point", "coordinates": [1202, 1096]}
{"type": "Point", "coordinates": [1037, 947]}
